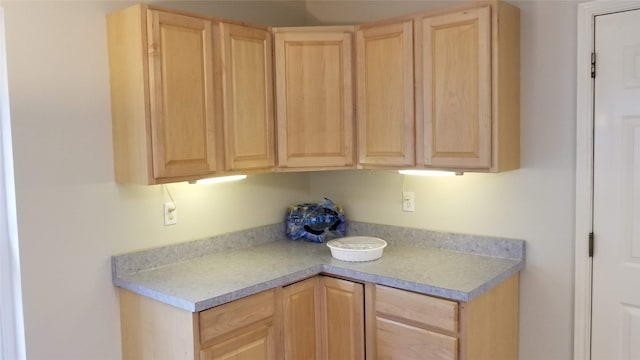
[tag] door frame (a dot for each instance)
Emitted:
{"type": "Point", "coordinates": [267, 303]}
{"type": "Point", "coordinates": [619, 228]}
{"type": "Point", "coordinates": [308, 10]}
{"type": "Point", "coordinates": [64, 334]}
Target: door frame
{"type": "Point", "coordinates": [584, 169]}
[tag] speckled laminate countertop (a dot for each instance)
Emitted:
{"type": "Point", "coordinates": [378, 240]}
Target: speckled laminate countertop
{"type": "Point", "coordinates": [196, 283]}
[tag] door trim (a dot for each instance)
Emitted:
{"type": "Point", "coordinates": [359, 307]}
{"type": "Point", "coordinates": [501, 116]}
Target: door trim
{"type": "Point", "coordinates": [584, 169]}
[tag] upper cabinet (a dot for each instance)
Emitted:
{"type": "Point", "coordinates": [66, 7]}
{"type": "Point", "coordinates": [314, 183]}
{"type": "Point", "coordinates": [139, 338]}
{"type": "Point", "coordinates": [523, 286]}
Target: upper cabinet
{"type": "Point", "coordinates": [461, 66]}
{"type": "Point", "coordinates": [456, 88]}
{"type": "Point", "coordinates": [468, 81]}
{"type": "Point", "coordinates": [385, 116]}
{"type": "Point", "coordinates": [247, 79]}
{"type": "Point", "coordinates": [191, 96]}
{"type": "Point", "coordinates": [162, 96]}
{"type": "Point", "coordinates": [314, 100]}
{"type": "Point", "coordinates": [194, 96]}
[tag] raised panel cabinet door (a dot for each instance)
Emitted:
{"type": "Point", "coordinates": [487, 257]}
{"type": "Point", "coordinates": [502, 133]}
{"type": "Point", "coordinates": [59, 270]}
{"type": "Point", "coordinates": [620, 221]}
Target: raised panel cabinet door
{"type": "Point", "coordinates": [343, 323]}
{"type": "Point", "coordinates": [456, 80]}
{"type": "Point", "coordinates": [385, 95]}
{"type": "Point", "coordinates": [301, 312]}
{"type": "Point", "coordinates": [314, 106]}
{"type": "Point", "coordinates": [181, 95]}
{"type": "Point", "coordinates": [251, 343]}
{"type": "Point", "coordinates": [248, 115]}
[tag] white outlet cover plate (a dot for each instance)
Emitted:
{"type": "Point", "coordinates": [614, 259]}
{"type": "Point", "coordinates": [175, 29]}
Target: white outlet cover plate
{"type": "Point", "coordinates": [170, 213]}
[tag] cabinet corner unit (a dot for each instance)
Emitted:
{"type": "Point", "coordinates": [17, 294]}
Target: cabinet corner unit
{"type": "Point", "coordinates": [174, 94]}
{"type": "Point", "coordinates": [314, 106]}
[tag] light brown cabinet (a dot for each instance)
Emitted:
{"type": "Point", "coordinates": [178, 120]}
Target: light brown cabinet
{"type": "Point", "coordinates": [406, 325]}
{"type": "Point", "coordinates": [410, 326]}
{"type": "Point", "coordinates": [343, 321]}
{"type": "Point", "coordinates": [302, 317]}
{"type": "Point", "coordinates": [191, 96]}
{"type": "Point", "coordinates": [456, 88]}
{"type": "Point", "coordinates": [247, 92]}
{"type": "Point", "coordinates": [467, 67]}
{"type": "Point", "coordinates": [314, 100]}
{"type": "Point", "coordinates": [462, 71]}
{"type": "Point", "coordinates": [248, 328]}
{"type": "Point", "coordinates": [327, 318]}
{"type": "Point", "coordinates": [162, 96]}
{"type": "Point", "coordinates": [385, 94]}
{"type": "Point", "coordinates": [323, 319]}
{"type": "Point", "coordinates": [244, 329]}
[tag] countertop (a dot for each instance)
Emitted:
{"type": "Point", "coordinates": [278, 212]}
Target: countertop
{"type": "Point", "coordinates": [198, 283]}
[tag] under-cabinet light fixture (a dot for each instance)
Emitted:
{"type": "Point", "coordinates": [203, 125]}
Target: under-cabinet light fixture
{"type": "Point", "coordinates": [216, 180]}
{"type": "Point", "coordinates": [429, 173]}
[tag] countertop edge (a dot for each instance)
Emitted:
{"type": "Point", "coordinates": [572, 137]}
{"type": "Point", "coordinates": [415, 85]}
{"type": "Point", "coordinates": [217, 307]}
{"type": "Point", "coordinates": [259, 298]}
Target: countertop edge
{"type": "Point", "coordinates": [175, 301]}
{"type": "Point", "coordinates": [322, 268]}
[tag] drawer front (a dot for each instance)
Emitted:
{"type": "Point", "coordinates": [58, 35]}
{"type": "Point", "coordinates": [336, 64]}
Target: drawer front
{"type": "Point", "coordinates": [400, 341]}
{"type": "Point", "coordinates": [237, 314]}
{"type": "Point", "coordinates": [417, 308]}
{"type": "Point", "coordinates": [254, 344]}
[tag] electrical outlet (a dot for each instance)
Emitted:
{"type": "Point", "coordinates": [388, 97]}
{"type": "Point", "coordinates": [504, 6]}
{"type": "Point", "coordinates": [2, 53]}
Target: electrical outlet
{"type": "Point", "coordinates": [170, 213]}
{"type": "Point", "coordinates": [408, 201]}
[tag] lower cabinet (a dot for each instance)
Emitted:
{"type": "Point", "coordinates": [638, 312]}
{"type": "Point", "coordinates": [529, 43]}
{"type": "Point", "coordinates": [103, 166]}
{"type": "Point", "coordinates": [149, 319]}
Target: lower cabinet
{"type": "Point", "coordinates": [327, 318]}
{"type": "Point", "coordinates": [410, 326]}
{"type": "Point", "coordinates": [324, 319]}
{"type": "Point", "coordinates": [242, 329]}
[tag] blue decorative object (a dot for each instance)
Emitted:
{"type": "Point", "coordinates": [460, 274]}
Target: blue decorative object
{"type": "Point", "coordinates": [316, 222]}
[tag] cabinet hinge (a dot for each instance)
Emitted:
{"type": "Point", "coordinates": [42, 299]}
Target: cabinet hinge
{"type": "Point", "coordinates": [591, 239]}
{"type": "Point", "coordinates": [593, 65]}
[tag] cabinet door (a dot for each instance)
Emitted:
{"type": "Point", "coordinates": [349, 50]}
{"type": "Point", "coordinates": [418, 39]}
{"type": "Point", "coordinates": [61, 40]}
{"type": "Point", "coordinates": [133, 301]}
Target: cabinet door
{"type": "Point", "coordinates": [314, 109]}
{"type": "Point", "coordinates": [301, 312]}
{"type": "Point", "coordinates": [386, 133]}
{"type": "Point", "coordinates": [343, 323]}
{"type": "Point", "coordinates": [181, 95]}
{"type": "Point", "coordinates": [247, 79]}
{"type": "Point", "coordinates": [456, 80]}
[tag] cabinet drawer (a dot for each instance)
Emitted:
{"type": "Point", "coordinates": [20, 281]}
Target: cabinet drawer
{"type": "Point", "coordinates": [417, 308]}
{"type": "Point", "coordinates": [256, 344]}
{"type": "Point", "coordinates": [235, 315]}
{"type": "Point", "coordinates": [400, 341]}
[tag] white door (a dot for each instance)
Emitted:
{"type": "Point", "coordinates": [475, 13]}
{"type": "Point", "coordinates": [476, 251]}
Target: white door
{"type": "Point", "coordinates": [616, 261]}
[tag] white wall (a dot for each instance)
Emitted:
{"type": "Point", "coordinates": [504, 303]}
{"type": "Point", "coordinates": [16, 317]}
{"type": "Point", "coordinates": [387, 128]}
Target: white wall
{"type": "Point", "coordinates": [72, 217]}
{"type": "Point", "coordinates": [535, 203]}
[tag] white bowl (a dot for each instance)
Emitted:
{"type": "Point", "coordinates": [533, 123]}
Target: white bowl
{"type": "Point", "coordinates": [357, 248]}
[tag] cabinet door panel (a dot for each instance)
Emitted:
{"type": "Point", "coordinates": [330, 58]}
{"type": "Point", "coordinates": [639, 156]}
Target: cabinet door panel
{"type": "Point", "coordinates": [314, 99]}
{"type": "Point", "coordinates": [181, 90]}
{"type": "Point", "coordinates": [385, 95]}
{"type": "Point", "coordinates": [343, 323]}
{"type": "Point", "coordinates": [456, 71]}
{"type": "Point", "coordinates": [247, 78]}
{"type": "Point", "coordinates": [301, 305]}
{"type": "Point", "coordinates": [400, 341]}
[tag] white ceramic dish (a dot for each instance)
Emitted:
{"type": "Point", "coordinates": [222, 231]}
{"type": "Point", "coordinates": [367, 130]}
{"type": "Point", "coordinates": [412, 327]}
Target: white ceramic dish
{"type": "Point", "coordinates": [357, 248]}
